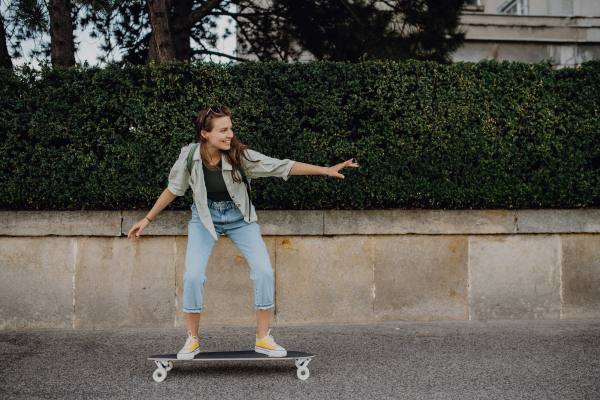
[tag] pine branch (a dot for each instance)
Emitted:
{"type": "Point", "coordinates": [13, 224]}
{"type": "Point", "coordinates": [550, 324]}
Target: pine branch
{"type": "Point", "coordinates": [197, 15]}
{"type": "Point", "coordinates": [216, 53]}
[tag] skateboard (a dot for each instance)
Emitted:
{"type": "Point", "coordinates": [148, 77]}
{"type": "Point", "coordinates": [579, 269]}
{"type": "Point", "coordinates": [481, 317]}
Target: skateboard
{"type": "Point", "coordinates": [165, 362]}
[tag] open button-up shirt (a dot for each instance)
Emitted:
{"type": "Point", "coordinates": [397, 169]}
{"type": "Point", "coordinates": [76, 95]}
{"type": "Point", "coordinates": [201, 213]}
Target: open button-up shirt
{"type": "Point", "coordinates": [180, 179]}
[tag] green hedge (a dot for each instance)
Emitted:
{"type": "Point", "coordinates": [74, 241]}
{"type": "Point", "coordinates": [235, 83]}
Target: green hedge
{"type": "Point", "coordinates": [485, 135]}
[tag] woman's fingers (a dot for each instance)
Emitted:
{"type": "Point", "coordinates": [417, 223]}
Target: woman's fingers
{"type": "Point", "coordinates": [135, 231]}
{"type": "Point", "coordinates": [349, 163]}
{"type": "Point", "coordinates": [129, 233]}
{"type": "Point", "coordinates": [345, 164]}
{"type": "Point", "coordinates": [132, 233]}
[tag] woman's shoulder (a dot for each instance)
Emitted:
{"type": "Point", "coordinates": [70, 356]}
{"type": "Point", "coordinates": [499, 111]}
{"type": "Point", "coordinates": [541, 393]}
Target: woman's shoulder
{"type": "Point", "coordinates": [184, 152]}
{"type": "Point", "coordinates": [187, 148]}
{"type": "Point", "coordinates": [253, 154]}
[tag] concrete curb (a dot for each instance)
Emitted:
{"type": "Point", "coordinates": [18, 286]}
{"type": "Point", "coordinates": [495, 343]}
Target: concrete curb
{"type": "Point", "coordinates": [312, 222]}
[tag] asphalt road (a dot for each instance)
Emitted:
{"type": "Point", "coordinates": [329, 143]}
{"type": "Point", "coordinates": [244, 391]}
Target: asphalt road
{"type": "Point", "coordinates": [433, 360]}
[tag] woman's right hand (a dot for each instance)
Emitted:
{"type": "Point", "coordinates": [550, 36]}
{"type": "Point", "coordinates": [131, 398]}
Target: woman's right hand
{"type": "Point", "coordinates": [135, 231]}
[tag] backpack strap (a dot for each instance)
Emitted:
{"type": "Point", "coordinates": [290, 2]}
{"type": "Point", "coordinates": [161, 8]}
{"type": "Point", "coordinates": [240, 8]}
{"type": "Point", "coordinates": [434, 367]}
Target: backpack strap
{"type": "Point", "coordinates": [190, 159]}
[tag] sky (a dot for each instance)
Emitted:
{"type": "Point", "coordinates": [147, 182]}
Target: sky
{"type": "Point", "coordinates": [88, 48]}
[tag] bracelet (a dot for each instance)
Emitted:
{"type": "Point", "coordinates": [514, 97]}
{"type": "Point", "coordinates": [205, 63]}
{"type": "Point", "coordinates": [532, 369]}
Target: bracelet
{"type": "Point", "coordinates": [148, 219]}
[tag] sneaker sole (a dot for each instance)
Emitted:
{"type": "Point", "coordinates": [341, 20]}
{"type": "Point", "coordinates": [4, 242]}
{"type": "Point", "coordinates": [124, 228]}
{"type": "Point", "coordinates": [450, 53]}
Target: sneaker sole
{"type": "Point", "coordinates": [270, 353]}
{"type": "Point", "coordinates": [189, 356]}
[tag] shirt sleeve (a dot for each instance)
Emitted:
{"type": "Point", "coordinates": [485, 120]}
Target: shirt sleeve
{"type": "Point", "coordinates": [264, 166]}
{"type": "Point", "coordinates": [179, 176]}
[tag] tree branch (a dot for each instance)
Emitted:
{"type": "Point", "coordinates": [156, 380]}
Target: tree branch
{"type": "Point", "coordinates": [216, 53]}
{"type": "Point", "coordinates": [351, 9]}
{"type": "Point", "coordinates": [197, 15]}
{"type": "Point", "coordinates": [245, 34]}
{"type": "Point", "coordinates": [243, 15]}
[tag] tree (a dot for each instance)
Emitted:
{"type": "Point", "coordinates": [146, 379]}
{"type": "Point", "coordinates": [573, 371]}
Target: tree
{"type": "Point", "coordinates": [285, 30]}
{"type": "Point", "coordinates": [263, 30]}
{"type": "Point", "coordinates": [345, 30]}
{"type": "Point", "coordinates": [62, 45]}
{"type": "Point", "coordinates": [161, 47]}
{"type": "Point", "coordinates": [25, 20]}
{"type": "Point", "coordinates": [5, 60]}
{"type": "Point", "coordinates": [161, 30]}
{"type": "Point", "coordinates": [31, 19]}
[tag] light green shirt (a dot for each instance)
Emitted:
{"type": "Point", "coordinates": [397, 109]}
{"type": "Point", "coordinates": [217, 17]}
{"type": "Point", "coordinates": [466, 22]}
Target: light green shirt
{"type": "Point", "coordinates": [180, 179]}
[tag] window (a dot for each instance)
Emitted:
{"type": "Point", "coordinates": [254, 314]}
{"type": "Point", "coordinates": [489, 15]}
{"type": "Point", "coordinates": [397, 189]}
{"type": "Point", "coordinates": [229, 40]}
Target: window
{"type": "Point", "coordinates": [513, 7]}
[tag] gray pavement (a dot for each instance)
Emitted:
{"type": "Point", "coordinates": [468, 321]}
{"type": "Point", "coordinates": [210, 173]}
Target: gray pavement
{"type": "Point", "coordinates": [558, 359]}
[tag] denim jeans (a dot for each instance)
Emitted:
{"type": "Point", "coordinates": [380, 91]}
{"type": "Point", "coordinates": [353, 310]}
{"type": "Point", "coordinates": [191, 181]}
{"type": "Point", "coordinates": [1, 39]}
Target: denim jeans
{"type": "Point", "coordinates": [227, 219]}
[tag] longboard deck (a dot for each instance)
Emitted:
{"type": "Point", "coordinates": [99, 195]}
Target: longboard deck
{"type": "Point", "coordinates": [232, 356]}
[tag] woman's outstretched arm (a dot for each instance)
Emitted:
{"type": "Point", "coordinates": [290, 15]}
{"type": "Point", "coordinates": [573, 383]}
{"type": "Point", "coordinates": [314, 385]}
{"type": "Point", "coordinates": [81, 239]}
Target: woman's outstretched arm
{"type": "Point", "coordinates": [307, 169]}
{"type": "Point", "coordinates": [164, 200]}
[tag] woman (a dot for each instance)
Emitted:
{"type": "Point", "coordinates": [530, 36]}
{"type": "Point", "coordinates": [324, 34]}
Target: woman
{"type": "Point", "coordinates": [222, 206]}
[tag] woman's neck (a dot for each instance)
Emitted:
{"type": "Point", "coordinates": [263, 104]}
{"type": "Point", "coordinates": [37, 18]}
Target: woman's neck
{"type": "Point", "coordinates": [214, 153]}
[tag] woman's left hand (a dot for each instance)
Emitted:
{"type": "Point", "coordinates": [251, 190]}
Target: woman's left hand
{"type": "Point", "coordinates": [333, 171]}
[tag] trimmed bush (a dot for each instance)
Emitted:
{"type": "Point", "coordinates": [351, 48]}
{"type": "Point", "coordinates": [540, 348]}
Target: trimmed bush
{"type": "Point", "coordinates": [481, 136]}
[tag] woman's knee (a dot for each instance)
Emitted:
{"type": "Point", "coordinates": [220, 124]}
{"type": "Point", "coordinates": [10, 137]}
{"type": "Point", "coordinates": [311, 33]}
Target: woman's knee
{"type": "Point", "coordinates": [194, 278]}
{"type": "Point", "coordinates": [262, 273]}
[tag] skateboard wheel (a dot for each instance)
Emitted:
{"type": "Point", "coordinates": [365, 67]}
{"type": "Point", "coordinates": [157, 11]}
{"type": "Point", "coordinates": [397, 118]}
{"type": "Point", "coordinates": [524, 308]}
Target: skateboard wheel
{"type": "Point", "coordinates": [169, 366]}
{"type": "Point", "coordinates": [303, 373]}
{"type": "Point", "coordinates": [160, 374]}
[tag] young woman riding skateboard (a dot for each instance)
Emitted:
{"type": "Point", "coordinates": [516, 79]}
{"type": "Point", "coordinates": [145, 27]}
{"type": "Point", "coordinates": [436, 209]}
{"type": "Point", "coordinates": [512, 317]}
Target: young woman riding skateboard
{"type": "Point", "coordinates": [222, 206]}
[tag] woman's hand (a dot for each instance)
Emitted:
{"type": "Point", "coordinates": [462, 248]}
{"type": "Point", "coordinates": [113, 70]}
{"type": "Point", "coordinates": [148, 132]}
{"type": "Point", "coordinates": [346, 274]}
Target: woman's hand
{"type": "Point", "coordinates": [333, 171]}
{"type": "Point", "coordinates": [135, 231]}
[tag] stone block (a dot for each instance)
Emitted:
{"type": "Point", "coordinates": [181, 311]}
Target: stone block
{"type": "Point", "coordinates": [36, 282]}
{"type": "Point", "coordinates": [428, 222]}
{"type": "Point", "coordinates": [558, 221]}
{"type": "Point", "coordinates": [581, 276]}
{"type": "Point", "coordinates": [514, 277]}
{"type": "Point", "coordinates": [421, 278]}
{"type": "Point", "coordinates": [271, 222]}
{"type": "Point", "coordinates": [169, 223]}
{"type": "Point", "coordinates": [119, 283]}
{"type": "Point", "coordinates": [290, 222]}
{"type": "Point", "coordinates": [228, 292]}
{"type": "Point", "coordinates": [324, 280]}
{"type": "Point", "coordinates": [60, 223]}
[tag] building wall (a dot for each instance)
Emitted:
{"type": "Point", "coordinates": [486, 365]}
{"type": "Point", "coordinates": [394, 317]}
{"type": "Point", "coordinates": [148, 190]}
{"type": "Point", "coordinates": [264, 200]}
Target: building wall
{"type": "Point", "coordinates": [568, 40]}
{"type": "Point", "coordinates": [587, 8]}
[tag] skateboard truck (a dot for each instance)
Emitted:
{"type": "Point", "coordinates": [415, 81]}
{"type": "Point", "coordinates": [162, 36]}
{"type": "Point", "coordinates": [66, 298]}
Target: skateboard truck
{"type": "Point", "coordinates": [161, 372]}
{"type": "Point", "coordinates": [302, 365]}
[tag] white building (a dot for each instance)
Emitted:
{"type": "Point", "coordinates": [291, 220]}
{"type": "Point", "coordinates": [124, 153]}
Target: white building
{"type": "Point", "coordinates": [568, 31]}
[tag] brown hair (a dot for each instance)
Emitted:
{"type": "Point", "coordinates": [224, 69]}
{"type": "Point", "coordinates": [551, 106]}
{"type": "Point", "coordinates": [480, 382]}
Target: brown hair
{"type": "Point", "coordinates": [204, 121]}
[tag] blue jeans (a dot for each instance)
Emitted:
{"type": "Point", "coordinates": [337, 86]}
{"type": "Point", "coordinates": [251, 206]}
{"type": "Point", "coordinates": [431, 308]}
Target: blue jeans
{"type": "Point", "coordinates": [227, 219]}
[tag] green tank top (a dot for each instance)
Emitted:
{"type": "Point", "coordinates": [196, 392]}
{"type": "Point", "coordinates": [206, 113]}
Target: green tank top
{"type": "Point", "coordinates": [215, 185]}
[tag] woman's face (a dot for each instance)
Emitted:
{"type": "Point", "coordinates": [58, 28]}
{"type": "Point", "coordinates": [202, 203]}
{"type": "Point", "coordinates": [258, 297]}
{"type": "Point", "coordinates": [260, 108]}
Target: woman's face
{"type": "Point", "coordinates": [221, 134]}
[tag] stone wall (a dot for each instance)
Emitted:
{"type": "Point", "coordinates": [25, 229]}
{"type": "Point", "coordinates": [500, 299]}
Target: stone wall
{"type": "Point", "coordinates": [78, 270]}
